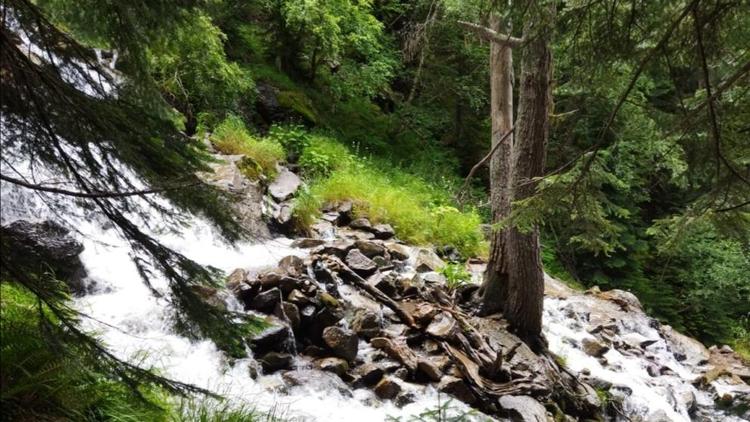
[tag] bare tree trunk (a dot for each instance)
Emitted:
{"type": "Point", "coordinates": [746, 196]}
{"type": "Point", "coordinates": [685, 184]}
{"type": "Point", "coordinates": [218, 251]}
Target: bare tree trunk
{"type": "Point", "coordinates": [524, 303]}
{"type": "Point", "coordinates": [494, 289]}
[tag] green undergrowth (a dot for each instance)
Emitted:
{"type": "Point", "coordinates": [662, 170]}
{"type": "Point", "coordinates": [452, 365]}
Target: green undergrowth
{"type": "Point", "coordinates": [231, 136]}
{"type": "Point", "coordinates": [41, 380]}
{"type": "Point", "coordinates": [420, 212]}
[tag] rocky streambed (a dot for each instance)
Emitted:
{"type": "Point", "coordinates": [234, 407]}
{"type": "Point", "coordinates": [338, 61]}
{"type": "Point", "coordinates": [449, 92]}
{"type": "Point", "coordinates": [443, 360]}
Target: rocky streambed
{"type": "Point", "coordinates": [361, 326]}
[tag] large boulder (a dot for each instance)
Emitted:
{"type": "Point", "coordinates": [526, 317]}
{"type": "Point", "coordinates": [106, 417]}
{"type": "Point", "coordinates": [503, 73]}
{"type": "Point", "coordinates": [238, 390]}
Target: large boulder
{"type": "Point", "coordinates": [43, 247]}
{"type": "Point", "coordinates": [274, 361]}
{"type": "Point", "coordinates": [285, 185]}
{"type": "Point", "coordinates": [366, 323]}
{"type": "Point", "coordinates": [343, 343]}
{"type": "Point", "coordinates": [274, 337]}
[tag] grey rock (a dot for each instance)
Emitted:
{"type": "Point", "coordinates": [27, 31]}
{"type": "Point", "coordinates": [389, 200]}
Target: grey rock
{"type": "Point", "coordinates": [41, 247]}
{"type": "Point", "coordinates": [292, 265]}
{"type": "Point", "coordinates": [457, 388]}
{"type": "Point", "coordinates": [359, 263]}
{"type": "Point", "coordinates": [343, 343]}
{"type": "Point", "coordinates": [289, 312]}
{"type": "Point", "coordinates": [306, 243]}
{"type": "Point", "coordinates": [361, 223]}
{"type": "Point", "coordinates": [370, 249]}
{"type": "Point", "coordinates": [427, 260]}
{"type": "Point", "coordinates": [443, 326]}
{"type": "Point", "coordinates": [383, 231]}
{"type": "Point", "coordinates": [272, 338]}
{"type": "Point", "coordinates": [266, 301]}
{"type": "Point", "coordinates": [274, 361]}
{"type": "Point", "coordinates": [387, 389]}
{"type": "Point", "coordinates": [368, 374]}
{"type": "Point", "coordinates": [398, 251]}
{"type": "Point", "coordinates": [285, 185]}
{"type": "Point", "coordinates": [523, 408]}
{"type": "Point", "coordinates": [366, 323]}
{"type": "Point", "coordinates": [594, 348]}
{"type": "Point", "coordinates": [335, 365]}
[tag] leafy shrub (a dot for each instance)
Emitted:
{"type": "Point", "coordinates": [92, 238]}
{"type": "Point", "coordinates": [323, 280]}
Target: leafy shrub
{"type": "Point", "coordinates": [455, 275]}
{"type": "Point", "coordinates": [232, 137]}
{"type": "Point", "coordinates": [294, 138]}
{"type": "Point", "coordinates": [324, 155]}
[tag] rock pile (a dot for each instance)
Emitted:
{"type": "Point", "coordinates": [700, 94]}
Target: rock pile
{"type": "Point", "coordinates": [374, 313]}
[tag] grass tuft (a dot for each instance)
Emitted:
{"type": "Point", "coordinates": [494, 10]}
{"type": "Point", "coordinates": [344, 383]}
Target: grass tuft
{"type": "Point", "coordinates": [261, 155]}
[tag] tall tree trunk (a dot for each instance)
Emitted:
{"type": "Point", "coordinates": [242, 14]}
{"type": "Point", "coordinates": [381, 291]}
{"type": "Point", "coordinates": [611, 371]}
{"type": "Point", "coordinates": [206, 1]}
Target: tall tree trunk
{"type": "Point", "coordinates": [523, 308]}
{"type": "Point", "coordinates": [494, 290]}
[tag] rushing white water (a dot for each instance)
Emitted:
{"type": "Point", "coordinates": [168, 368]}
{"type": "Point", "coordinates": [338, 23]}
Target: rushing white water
{"type": "Point", "coordinates": [638, 350]}
{"type": "Point", "coordinates": [136, 325]}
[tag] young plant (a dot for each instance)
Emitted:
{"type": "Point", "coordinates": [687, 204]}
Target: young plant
{"type": "Point", "coordinates": [455, 275]}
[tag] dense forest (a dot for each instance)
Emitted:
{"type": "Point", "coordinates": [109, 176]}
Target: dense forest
{"type": "Point", "coordinates": [628, 159]}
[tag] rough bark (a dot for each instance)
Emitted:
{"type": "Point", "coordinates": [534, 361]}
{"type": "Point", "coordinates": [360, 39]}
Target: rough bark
{"type": "Point", "coordinates": [523, 308]}
{"type": "Point", "coordinates": [494, 290]}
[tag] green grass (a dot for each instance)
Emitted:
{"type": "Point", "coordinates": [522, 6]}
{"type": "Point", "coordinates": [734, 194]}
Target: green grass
{"type": "Point", "coordinates": [261, 155]}
{"type": "Point", "coordinates": [417, 210]}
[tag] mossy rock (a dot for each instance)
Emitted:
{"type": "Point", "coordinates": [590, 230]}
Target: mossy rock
{"type": "Point", "coordinates": [299, 103]}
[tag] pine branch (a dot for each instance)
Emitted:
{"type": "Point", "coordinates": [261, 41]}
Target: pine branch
{"type": "Point", "coordinates": [95, 194]}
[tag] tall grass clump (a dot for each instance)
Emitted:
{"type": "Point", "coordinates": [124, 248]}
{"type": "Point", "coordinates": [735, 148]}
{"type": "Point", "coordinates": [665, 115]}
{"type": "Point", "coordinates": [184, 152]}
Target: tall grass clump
{"type": "Point", "coordinates": [418, 211]}
{"type": "Point", "coordinates": [231, 136]}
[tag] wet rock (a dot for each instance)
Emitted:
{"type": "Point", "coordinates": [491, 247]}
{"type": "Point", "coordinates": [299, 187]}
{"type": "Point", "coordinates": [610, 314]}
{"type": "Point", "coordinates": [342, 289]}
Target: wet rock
{"type": "Point", "coordinates": [594, 348]}
{"type": "Point", "coordinates": [523, 408]}
{"type": "Point", "coordinates": [383, 231]}
{"type": "Point", "coordinates": [424, 312]}
{"type": "Point", "coordinates": [236, 278]}
{"type": "Point", "coordinates": [288, 284]}
{"type": "Point", "coordinates": [274, 337]}
{"type": "Point", "coordinates": [449, 253]}
{"type": "Point", "coordinates": [386, 283]}
{"type": "Point", "coordinates": [343, 343]}
{"type": "Point", "coordinates": [361, 223]}
{"type": "Point", "coordinates": [398, 251]}
{"type": "Point", "coordinates": [370, 249]}
{"type": "Point", "coordinates": [292, 265]}
{"type": "Point", "coordinates": [401, 373]}
{"type": "Point", "coordinates": [283, 216]}
{"type": "Point", "coordinates": [429, 369]}
{"type": "Point", "coordinates": [457, 388]}
{"type": "Point", "coordinates": [626, 300]}
{"type": "Point", "coordinates": [431, 347]}
{"type": "Point", "coordinates": [289, 312]}
{"type": "Point", "coordinates": [359, 263]}
{"type": "Point", "coordinates": [298, 298]}
{"type": "Point", "coordinates": [337, 248]}
{"type": "Point", "coordinates": [324, 318]}
{"type": "Point", "coordinates": [327, 300]}
{"type": "Point", "coordinates": [274, 361]}
{"type": "Point", "coordinates": [427, 260]}
{"type": "Point", "coordinates": [387, 389]}
{"type": "Point", "coordinates": [443, 326]}
{"type": "Point", "coordinates": [405, 398]}
{"type": "Point", "coordinates": [270, 279]}
{"type": "Point", "coordinates": [307, 243]}
{"type": "Point", "coordinates": [335, 365]}
{"type": "Point", "coordinates": [211, 296]}
{"type": "Point", "coordinates": [266, 301]}
{"type": "Point", "coordinates": [366, 324]}
{"type": "Point", "coordinates": [41, 247]}
{"type": "Point", "coordinates": [245, 292]}
{"type": "Point", "coordinates": [285, 185]}
{"type": "Point", "coordinates": [368, 374]}
{"type": "Point", "coordinates": [433, 278]}
{"type": "Point", "coordinates": [383, 263]}
{"type": "Point", "coordinates": [321, 381]}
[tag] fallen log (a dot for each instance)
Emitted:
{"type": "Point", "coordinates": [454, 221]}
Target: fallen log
{"type": "Point", "coordinates": [398, 351]}
{"type": "Point", "coordinates": [349, 275]}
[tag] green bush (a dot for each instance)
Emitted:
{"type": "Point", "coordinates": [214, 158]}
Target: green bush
{"type": "Point", "coordinates": [324, 155]}
{"type": "Point", "coordinates": [455, 275]}
{"type": "Point", "coordinates": [261, 155]}
{"type": "Point", "coordinates": [294, 138]}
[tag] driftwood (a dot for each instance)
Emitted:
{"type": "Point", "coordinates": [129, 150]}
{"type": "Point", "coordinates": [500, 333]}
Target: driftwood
{"type": "Point", "coordinates": [488, 388]}
{"type": "Point", "coordinates": [348, 274]}
{"type": "Point", "coordinates": [398, 351]}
